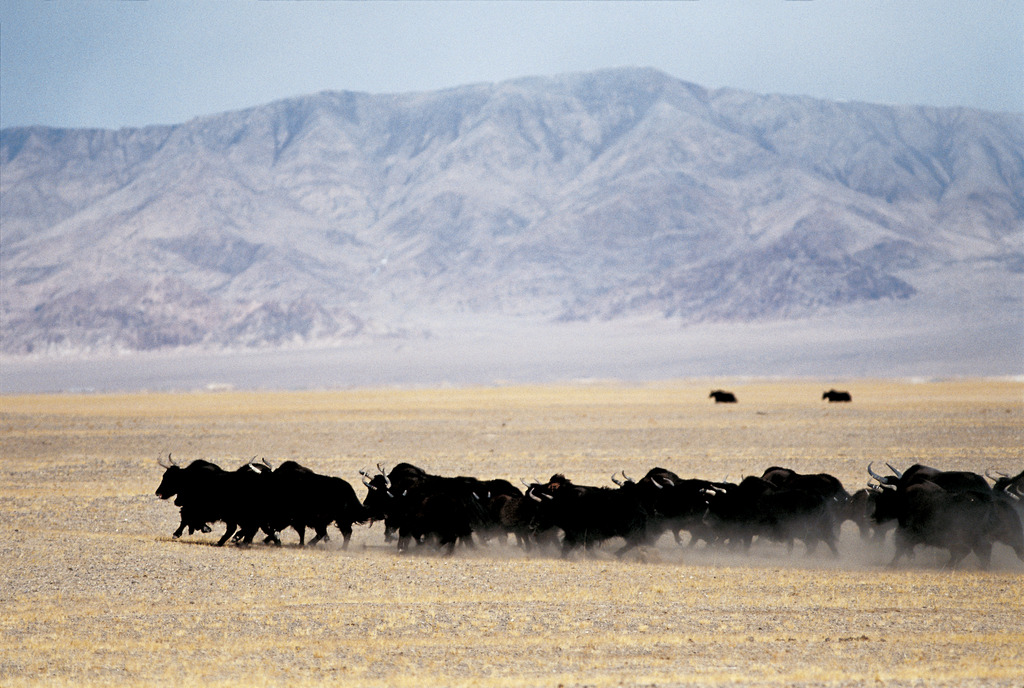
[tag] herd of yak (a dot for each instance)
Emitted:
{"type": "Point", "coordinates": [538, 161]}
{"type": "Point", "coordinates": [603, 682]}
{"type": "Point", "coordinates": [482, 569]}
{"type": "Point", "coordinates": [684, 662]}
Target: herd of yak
{"type": "Point", "coordinates": [958, 511]}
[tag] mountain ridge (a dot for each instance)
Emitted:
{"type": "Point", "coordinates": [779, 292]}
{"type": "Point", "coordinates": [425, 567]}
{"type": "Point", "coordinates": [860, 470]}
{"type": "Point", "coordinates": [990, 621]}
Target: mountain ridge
{"type": "Point", "coordinates": [589, 196]}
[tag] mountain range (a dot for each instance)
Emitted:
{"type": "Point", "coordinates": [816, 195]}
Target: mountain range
{"type": "Point", "coordinates": [587, 198]}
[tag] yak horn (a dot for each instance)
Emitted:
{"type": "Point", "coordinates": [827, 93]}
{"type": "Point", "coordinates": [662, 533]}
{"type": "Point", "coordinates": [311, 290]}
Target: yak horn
{"type": "Point", "coordinates": [161, 464]}
{"type": "Point", "coordinates": [654, 481]}
{"type": "Point", "coordinates": [617, 481]}
{"type": "Point", "coordinates": [267, 463]}
{"type": "Point", "coordinates": [525, 483]}
{"type": "Point", "coordinates": [366, 481]}
{"type": "Point", "coordinates": [874, 475]}
{"type": "Point", "coordinates": [898, 474]}
{"type": "Point", "coordinates": [173, 462]}
{"type": "Point", "coordinates": [532, 496]}
{"type": "Point", "coordinates": [628, 479]}
{"type": "Point", "coordinates": [380, 467]}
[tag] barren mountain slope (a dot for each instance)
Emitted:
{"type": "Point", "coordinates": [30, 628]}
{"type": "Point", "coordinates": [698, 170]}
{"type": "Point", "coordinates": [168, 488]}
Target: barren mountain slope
{"type": "Point", "coordinates": [584, 197]}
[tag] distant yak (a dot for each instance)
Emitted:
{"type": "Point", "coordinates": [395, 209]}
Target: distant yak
{"type": "Point", "coordinates": [836, 395]}
{"type": "Point", "coordinates": [722, 397]}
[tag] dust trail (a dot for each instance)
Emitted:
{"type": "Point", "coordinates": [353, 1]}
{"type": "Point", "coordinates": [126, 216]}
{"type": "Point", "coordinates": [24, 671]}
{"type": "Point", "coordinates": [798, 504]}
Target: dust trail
{"type": "Point", "coordinates": [855, 554]}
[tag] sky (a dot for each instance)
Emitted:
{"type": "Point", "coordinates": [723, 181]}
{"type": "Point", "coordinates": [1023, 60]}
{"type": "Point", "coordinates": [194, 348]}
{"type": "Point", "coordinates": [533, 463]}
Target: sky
{"type": "Point", "coordinates": [112, 64]}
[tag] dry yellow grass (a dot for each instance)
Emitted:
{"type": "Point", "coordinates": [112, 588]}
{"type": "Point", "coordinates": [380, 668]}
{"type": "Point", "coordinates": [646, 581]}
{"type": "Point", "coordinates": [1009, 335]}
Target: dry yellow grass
{"type": "Point", "coordinates": [94, 591]}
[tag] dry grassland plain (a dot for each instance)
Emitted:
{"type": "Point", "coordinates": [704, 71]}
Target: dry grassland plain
{"type": "Point", "coordinates": [95, 592]}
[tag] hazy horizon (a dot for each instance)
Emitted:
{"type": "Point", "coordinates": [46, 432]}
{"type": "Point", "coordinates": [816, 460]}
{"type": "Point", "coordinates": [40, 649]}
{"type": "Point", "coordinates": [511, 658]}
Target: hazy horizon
{"type": "Point", "coordinates": [112, 65]}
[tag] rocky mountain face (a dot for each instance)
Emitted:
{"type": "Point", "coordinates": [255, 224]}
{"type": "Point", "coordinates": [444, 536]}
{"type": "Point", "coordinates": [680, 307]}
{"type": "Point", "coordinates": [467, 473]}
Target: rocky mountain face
{"type": "Point", "coordinates": [588, 197]}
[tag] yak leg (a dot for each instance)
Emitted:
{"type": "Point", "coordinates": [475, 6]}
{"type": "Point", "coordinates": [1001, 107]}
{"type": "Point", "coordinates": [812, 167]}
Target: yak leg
{"type": "Point", "coordinates": [903, 548]}
{"type": "Point", "coordinates": [827, 533]}
{"type": "Point", "coordinates": [882, 532]}
{"type": "Point", "coordinates": [527, 540]}
{"type": "Point", "coordinates": [227, 533]}
{"type": "Point", "coordinates": [984, 552]}
{"type": "Point", "coordinates": [403, 540]}
{"type": "Point", "coordinates": [188, 520]}
{"type": "Point", "coordinates": [321, 534]}
{"type": "Point", "coordinates": [956, 555]}
{"type": "Point", "coordinates": [905, 543]}
{"type": "Point", "coordinates": [244, 536]}
{"type": "Point", "coordinates": [630, 544]}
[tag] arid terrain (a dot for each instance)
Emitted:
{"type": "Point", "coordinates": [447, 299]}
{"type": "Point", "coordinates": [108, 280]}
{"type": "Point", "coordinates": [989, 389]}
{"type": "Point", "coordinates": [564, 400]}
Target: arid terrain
{"type": "Point", "coordinates": [94, 591]}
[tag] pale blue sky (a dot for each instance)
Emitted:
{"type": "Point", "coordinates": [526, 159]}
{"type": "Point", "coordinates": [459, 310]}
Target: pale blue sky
{"type": "Point", "coordinates": [111, 64]}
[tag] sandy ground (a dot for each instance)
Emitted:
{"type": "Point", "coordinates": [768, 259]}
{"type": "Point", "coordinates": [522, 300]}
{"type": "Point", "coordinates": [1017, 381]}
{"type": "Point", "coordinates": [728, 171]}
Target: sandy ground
{"type": "Point", "coordinates": [95, 592]}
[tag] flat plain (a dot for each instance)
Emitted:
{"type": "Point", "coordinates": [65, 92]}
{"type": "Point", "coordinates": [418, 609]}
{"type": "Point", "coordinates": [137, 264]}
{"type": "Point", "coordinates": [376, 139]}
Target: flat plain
{"type": "Point", "coordinates": [95, 592]}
